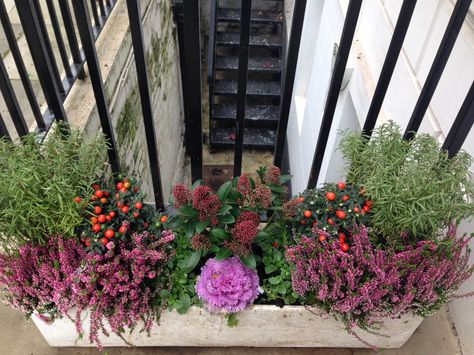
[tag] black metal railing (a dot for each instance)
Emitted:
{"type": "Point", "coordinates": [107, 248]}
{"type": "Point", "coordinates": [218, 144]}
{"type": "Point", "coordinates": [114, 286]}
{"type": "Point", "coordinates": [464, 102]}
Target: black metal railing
{"type": "Point", "coordinates": [245, 17]}
{"type": "Point", "coordinates": [186, 15]}
{"type": "Point", "coordinates": [211, 58]}
{"type": "Point", "coordinates": [464, 119]}
{"type": "Point", "coordinates": [289, 78]}
{"type": "Point", "coordinates": [454, 140]}
{"type": "Point", "coordinates": [56, 88]}
{"type": "Point", "coordinates": [56, 71]}
{"type": "Point", "coordinates": [89, 19]}
{"type": "Point", "coordinates": [347, 35]}
{"type": "Point", "coordinates": [211, 46]}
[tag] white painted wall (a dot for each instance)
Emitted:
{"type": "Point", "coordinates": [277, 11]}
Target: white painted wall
{"type": "Point", "coordinates": [323, 24]}
{"type": "Point", "coordinates": [322, 28]}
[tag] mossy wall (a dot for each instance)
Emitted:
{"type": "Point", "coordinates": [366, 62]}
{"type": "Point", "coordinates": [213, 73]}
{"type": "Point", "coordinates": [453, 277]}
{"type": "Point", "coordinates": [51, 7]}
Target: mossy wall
{"type": "Point", "coordinates": [122, 91]}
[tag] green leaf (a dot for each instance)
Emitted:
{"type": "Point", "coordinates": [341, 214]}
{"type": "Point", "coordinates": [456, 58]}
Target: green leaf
{"type": "Point", "coordinates": [235, 181]}
{"type": "Point", "coordinates": [188, 211]}
{"type": "Point", "coordinates": [186, 301]}
{"type": "Point", "coordinates": [252, 182]}
{"type": "Point", "coordinates": [274, 280]}
{"type": "Point", "coordinates": [201, 226]}
{"type": "Point", "coordinates": [223, 253]}
{"type": "Point", "coordinates": [249, 261]}
{"type": "Point", "coordinates": [284, 178]}
{"type": "Point", "coordinates": [220, 234]}
{"type": "Point", "coordinates": [175, 223]}
{"type": "Point", "coordinates": [189, 228]}
{"type": "Point", "coordinates": [281, 289]}
{"type": "Point", "coordinates": [225, 209]}
{"type": "Point", "coordinates": [235, 211]}
{"type": "Point", "coordinates": [192, 260]}
{"type": "Point", "coordinates": [165, 294]}
{"type": "Point", "coordinates": [277, 188]}
{"type": "Point", "coordinates": [270, 268]}
{"type": "Point", "coordinates": [261, 237]}
{"type": "Point", "coordinates": [227, 219]}
{"type": "Point", "coordinates": [178, 305]}
{"type": "Point", "coordinates": [232, 320]}
{"type": "Point", "coordinates": [234, 195]}
{"type": "Point", "coordinates": [224, 190]}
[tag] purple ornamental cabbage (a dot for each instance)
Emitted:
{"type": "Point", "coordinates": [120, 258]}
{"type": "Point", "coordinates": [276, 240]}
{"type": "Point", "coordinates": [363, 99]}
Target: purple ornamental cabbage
{"type": "Point", "coordinates": [227, 285]}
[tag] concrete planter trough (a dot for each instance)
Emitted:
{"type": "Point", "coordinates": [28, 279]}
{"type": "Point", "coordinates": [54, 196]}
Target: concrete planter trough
{"type": "Point", "coordinates": [260, 326]}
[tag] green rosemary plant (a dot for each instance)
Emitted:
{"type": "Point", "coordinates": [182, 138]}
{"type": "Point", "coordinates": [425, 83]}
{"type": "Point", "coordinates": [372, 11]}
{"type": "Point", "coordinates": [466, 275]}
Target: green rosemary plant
{"type": "Point", "coordinates": [418, 190]}
{"type": "Point", "coordinates": [39, 183]}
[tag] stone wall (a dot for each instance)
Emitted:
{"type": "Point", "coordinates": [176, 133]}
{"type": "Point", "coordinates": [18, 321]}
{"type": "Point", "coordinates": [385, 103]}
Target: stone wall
{"type": "Point", "coordinates": [115, 52]}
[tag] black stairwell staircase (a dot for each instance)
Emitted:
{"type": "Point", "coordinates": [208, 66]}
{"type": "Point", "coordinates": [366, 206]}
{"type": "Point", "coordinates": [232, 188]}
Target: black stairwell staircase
{"type": "Point", "coordinates": [264, 73]}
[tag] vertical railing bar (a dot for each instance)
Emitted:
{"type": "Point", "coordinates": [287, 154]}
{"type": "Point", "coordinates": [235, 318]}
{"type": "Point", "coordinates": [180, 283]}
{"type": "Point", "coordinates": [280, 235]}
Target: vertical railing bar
{"type": "Point", "coordinates": [289, 79]}
{"type": "Point", "coordinates": [211, 62]}
{"type": "Point", "coordinates": [11, 101]}
{"type": "Point", "coordinates": [178, 18]}
{"type": "Point", "coordinates": [393, 52]}
{"type": "Point", "coordinates": [27, 12]}
{"type": "Point", "coordinates": [347, 35]}
{"type": "Point", "coordinates": [49, 49]}
{"type": "Point", "coordinates": [212, 39]}
{"type": "Point", "coordinates": [245, 17]}
{"type": "Point", "coordinates": [461, 126]}
{"type": "Point", "coordinates": [95, 13]}
{"type": "Point", "coordinates": [134, 15]}
{"type": "Point", "coordinates": [20, 65]}
{"type": "Point", "coordinates": [87, 38]}
{"type": "Point", "coordinates": [192, 56]}
{"type": "Point", "coordinates": [3, 130]}
{"type": "Point", "coordinates": [71, 34]}
{"type": "Point", "coordinates": [442, 55]}
{"type": "Point", "coordinates": [59, 38]}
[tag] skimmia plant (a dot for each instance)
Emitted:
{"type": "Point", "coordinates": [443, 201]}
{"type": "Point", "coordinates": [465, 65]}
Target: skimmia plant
{"type": "Point", "coordinates": [227, 222]}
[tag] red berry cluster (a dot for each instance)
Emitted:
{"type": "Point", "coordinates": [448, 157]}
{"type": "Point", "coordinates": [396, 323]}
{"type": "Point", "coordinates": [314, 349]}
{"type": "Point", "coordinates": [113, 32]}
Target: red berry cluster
{"type": "Point", "coordinates": [115, 212]}
{"type": "Point", "coordinates": [334, 209]}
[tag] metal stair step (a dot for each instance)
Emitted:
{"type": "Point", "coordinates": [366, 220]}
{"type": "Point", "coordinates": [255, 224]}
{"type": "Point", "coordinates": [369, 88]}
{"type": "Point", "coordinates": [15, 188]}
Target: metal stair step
{"type": "Point", "coordinates": [232, 39]}
{"type": "Point", "coordinates": [264, 65]}
{"type": "Point", "coordinates": [254, 88]}
{"type": "Point", "coordinates": [262, 138]}
{"type": "Point", "coordinates": [259, 16]}
{"type": "Point", "coordinates": [256, 113]}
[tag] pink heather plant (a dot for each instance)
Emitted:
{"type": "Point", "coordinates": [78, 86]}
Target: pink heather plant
{"type": "Point", "coordinates": [37, 278]}
{"type": "Point", "coordinates": [118, 287]}
{"type": "Point", "coordinates": [368, 283]}
{"type": "Point", "coordinates": [227, 286]}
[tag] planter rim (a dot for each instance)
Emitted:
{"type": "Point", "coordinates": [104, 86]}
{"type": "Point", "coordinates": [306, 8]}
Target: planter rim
{"type": "Point", "coordinates": [259, 326]}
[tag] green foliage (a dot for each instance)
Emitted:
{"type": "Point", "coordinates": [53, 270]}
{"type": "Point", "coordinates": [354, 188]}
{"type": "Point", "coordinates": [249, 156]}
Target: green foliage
{"type": "Point", "coordinates": [219, 229]}
{"type": "Point", "coordinates": [232, 320]}
{"type": "Point", "coordinates": [40, 182]}
{"type": "Point", "coordinates": [181, 293]}
{"type": "Point", "coordinates": [277, 287]}
{"type": "Point", "coordinates": [415, 187]}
